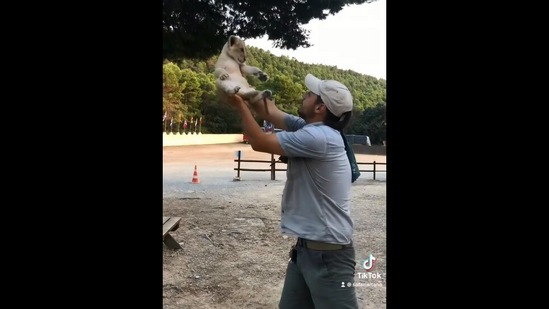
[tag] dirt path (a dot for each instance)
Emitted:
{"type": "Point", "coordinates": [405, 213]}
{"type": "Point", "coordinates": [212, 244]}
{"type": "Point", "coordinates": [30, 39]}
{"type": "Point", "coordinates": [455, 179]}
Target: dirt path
{"type": "Point", "coordinates": [233, 253]}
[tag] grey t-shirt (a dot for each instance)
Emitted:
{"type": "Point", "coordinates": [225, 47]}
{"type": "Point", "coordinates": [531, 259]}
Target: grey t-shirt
{"type": "Point", "coordinates": [316, 201]}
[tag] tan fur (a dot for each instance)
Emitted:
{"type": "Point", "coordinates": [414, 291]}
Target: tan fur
{"type": "Point", "coordinates": [231, 71]}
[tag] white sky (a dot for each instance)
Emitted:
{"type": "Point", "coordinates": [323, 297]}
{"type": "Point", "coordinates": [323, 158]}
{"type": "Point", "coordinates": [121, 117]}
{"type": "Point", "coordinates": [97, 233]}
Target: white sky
{"type": "Point", "coordinates": [353, 39]}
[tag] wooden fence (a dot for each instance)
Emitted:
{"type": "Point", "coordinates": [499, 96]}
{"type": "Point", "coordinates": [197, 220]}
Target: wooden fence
{"type": "Point", "coordinates": [272, 167]}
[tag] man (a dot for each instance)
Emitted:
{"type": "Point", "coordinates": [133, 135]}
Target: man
{"type": "Point", "coordinates": [316, 201]}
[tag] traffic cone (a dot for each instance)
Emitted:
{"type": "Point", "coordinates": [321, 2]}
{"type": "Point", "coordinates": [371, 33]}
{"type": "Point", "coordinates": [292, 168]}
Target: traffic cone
{"type": "Point", "coordinates": [195, 176]}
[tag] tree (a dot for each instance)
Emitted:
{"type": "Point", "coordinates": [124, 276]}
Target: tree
{"type": "Point", "coordinates": [192, 93]}
{"type": "Point", "coordinates": [171, 89]}
{"type": "Point", "coordinates": [287, 94]}
{"type": "Point", "coordinates": [199, 29]}
{"type": "Point", "coordinates": [188, 91]}
{"type": "Point", "coordinates": [371, 122]}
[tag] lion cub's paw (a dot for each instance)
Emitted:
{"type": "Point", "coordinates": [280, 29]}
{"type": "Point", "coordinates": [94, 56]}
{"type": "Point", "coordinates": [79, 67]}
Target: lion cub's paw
{"type": "Point", "coordinates": [262, 76]}
{"type": "Point", "coordinates": [234, 90]}
{"type": "Point", "coordinates": [224, 76]}
{"type": "Point", "coordinates": [267, 94]}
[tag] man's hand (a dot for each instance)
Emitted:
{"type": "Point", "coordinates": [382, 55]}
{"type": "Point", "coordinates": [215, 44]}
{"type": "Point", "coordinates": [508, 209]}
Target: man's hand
{"type": "Point", "coordinates": [256, 137]}
{"type": "Point", "coordinates": [235, 100]}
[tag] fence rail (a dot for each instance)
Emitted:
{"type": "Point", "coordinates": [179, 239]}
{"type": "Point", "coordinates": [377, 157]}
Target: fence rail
{"type": "Point", "coordinates": [272, 167]}
{"type": "Point", "coordinates": [374, 170]}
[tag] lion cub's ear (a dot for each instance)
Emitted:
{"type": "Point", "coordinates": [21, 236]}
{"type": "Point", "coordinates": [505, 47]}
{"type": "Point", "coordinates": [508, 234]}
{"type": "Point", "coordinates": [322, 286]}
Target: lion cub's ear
{"type": "Point", "coordinates": [233, 39]}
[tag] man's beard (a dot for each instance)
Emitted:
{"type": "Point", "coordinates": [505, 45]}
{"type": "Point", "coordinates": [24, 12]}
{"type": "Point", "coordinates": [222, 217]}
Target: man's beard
{"type": "Point", "coordinates": [300, 113]}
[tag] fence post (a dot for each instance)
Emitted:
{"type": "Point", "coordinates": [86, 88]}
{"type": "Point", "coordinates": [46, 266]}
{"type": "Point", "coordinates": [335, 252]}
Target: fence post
{"type": "Point", "coordinates": [272, 167]}
{"type": "Point", "coordinates": [374, 170]}
{"type": "Point", "coordinates": [238, 167]}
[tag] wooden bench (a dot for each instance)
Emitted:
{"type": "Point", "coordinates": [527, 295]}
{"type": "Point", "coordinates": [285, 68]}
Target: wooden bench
{"type": "Point", "coordinates": [170, 224]}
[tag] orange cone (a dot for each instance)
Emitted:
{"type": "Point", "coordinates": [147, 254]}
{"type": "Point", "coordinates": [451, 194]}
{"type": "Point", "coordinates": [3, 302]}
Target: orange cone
{"type": "Point", "coordinates": [195, 176]}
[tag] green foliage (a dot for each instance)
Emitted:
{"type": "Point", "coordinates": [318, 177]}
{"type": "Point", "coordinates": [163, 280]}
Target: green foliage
{"type": "Point", "coordinates": [192, 93]}
{"type": "Point", "coordinates": [172, 89]}
{"type": "Point", "coordinates": [371, 122]}
{"type": "Point", "coordinates": [189, 90]}
{"type": "Point", "coordinates": [221, 118]}
{"type": "Point", "coordinates": [199, 29]}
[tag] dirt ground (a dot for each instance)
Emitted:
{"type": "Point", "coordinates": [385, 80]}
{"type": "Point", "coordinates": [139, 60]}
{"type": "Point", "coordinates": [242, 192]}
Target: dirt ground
{"type": "Point", "coordinates": [234, 255]}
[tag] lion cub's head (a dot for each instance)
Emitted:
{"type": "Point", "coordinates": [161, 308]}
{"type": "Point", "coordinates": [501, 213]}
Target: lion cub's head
{"type": "Point", "coordinates": [236, 48]}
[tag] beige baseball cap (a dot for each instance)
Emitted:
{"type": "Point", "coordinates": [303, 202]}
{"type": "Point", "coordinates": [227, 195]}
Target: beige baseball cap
{"type": "Point", "coordinates": [335, 95]}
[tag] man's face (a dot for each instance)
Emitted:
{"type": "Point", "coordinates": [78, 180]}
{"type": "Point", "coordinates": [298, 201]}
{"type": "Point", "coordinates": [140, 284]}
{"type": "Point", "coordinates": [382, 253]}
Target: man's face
{"type": "Point", "coordinates": [307, 108]}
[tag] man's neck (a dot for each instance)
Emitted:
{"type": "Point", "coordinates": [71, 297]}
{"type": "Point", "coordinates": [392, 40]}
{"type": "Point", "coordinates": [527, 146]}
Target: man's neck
{"type": "Point", "coordinates": [315, 119]}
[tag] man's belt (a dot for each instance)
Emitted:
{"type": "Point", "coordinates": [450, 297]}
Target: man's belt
{"type": "Point", "coordinates": [317, 245]}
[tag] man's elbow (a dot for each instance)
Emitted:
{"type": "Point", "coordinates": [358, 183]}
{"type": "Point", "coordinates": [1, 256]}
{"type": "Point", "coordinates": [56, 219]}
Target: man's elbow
{"type": "Point", "coordinates": [262, 146]}
{"type": "Point", "coordinates": [253, 144]}
{"type": "Point", "coordinates": [257, 146]}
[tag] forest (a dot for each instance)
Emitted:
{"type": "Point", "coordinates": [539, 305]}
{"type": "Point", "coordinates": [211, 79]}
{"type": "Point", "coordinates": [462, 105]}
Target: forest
{"type": "Point", "coordinates": [190, 97]}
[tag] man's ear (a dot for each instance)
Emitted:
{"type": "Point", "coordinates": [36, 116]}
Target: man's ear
{"type": "Point", "coordinates": [318, 107]}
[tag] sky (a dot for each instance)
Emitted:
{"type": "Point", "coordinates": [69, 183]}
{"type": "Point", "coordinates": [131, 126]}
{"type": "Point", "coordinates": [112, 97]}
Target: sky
{"type": "Point", "coordinates": [352, 39]}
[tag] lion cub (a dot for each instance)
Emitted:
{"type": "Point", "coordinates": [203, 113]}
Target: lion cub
{"type": "Point", "coordinates": [231, 71]}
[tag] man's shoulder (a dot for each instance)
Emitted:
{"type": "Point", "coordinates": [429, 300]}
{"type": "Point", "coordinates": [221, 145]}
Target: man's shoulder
{"type": "Point", "coordinates": [321, 128]}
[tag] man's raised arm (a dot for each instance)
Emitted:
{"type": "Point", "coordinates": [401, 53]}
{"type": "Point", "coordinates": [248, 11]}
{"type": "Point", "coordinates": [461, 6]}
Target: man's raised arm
{"type": "Point", "coordinates": [275, 115]}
